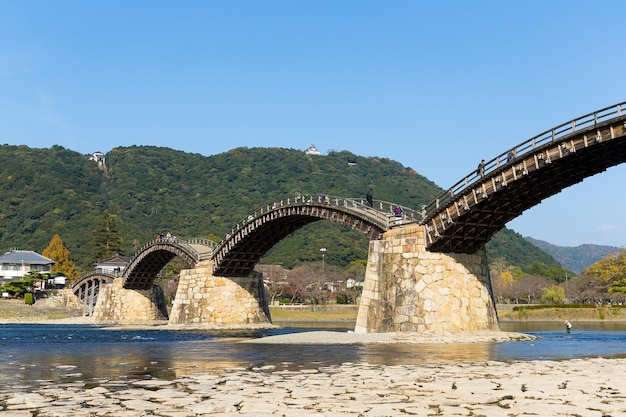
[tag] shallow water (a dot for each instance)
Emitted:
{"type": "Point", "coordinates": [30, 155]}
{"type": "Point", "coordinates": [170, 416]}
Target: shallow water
{"type": "Point", "coordinates": [32, 353]}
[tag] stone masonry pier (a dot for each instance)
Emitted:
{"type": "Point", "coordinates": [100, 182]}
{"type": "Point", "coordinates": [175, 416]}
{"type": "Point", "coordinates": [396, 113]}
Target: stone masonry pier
{"type": "Point", "coordinates": [409, 289]}
{"type": "Point", "coordinates": [201, 298]}
{"type": "Point", "coordinates": [221, 301]}
{"type": "Point", "coordinates": [119, 305]}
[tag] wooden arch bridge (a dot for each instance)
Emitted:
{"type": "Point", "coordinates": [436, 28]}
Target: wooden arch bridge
{"type": "Point", "coordinates": [245, 244]}
{"type": "Point", "coordinates": [461, 220]}
{"type": "Point", "coordinates": [467, 215]}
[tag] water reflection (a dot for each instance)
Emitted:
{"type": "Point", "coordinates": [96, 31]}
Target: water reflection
{"type": "Point", "coordinates": [32, 353]}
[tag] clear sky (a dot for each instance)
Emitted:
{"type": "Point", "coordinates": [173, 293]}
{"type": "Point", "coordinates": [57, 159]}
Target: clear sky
{"type": "Point", "coordinates": [434, 85]}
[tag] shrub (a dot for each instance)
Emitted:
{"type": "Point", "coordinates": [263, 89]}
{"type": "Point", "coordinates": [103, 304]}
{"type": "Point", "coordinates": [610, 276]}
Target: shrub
{"type": "Point", "coordinates": [29, 298]}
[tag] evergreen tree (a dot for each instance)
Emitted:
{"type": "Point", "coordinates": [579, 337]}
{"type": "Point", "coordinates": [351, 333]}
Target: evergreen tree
{"type": "Point", "coordinates": [107, 239]}
{"type": "Point", "coordinates": [61, 257]}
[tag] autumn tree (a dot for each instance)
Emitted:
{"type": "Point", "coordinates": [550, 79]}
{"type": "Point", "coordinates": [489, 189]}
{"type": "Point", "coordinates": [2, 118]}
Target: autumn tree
{"type": "Point", "coordinates": [503, 276]}
{"type": "Point", "coordinates": [57, 252]}
{"type": "Point", "coordinates": [610, 271]}
{"type": "Point", "coordinates": [107, 239]}
{"type": "Point", "coordinates": [553, 294]}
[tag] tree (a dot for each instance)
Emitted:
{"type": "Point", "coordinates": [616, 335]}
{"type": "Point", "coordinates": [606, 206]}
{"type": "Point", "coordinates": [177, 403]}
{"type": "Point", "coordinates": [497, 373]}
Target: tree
{"type": "Point", "coordinates": [585, 289]}
{"type": "Point", "coordinates": [528, 288]}
{"type": "Point", "coordinates": [274, 280]}
{"type": "Point", "coordinates": [610, 271]}
{"type": "Point", "coordinates": [553, 295]}
{"type": "Point", "coordinates": [169, 278]}
{"type": "Point", "coordinates": [57, 252]}
{"type": "Point", "coordinates": [20, 287]}
{"type": "Point", "coordinates": [107, 239]}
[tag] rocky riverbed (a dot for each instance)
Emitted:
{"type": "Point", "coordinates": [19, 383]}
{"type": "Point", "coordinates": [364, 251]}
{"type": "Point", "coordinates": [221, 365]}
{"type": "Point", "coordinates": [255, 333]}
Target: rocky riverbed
{"type": "Point", "coordinates": [593, 387]}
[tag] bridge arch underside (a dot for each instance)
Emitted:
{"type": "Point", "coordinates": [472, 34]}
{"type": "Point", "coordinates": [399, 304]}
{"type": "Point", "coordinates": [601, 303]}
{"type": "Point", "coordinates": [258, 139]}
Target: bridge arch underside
{"type": "Point", "coordinates": [87, 290]}
{"type": "Point", "coordinates": [240, 253]}
{"type": "Point", "coordinates": [473, 217]}
{"type": "Point", "coordinates": [145, 267]}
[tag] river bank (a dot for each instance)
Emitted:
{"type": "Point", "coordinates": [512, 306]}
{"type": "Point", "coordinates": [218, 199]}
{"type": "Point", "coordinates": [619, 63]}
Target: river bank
{"type": "Point", "coordinates": [15, 311]}
{"type": "Point", "coordinates": [586, 388]}
{"type": "Point", "coordinates": [506, 312]}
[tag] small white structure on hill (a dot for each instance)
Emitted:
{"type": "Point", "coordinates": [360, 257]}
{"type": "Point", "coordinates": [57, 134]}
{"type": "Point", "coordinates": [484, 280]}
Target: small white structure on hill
{"type": "Point", "coordinates": [312, 150]}
{"type": "Point", "coordinates": [99, 158]}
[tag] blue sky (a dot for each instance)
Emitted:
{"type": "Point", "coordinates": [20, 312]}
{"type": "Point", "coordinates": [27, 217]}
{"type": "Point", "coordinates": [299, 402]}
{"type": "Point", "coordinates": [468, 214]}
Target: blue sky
{"type": "Point", "coordinates": [436, 86]}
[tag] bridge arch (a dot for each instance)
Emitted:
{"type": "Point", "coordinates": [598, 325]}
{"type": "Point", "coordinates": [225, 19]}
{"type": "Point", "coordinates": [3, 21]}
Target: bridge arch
{"type": "Point", "coordinates": [466, 216]}
{"type": "Point", "coordinates": [156, 254]}
{"type": "Point", "coordinates": [251, 238]}
{"type": "Point", "coordinates": [87, 288]}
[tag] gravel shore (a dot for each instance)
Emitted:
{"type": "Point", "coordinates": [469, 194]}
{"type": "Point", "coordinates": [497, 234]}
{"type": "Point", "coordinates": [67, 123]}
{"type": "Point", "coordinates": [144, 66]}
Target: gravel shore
{"type": "Point", "coordinates": [593, 387]}
{"type": "Point", "coordinates": [330, 337]}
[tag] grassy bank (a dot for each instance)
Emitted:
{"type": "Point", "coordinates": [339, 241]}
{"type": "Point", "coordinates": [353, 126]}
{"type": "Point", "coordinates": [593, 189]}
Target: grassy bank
{"type": "Point", "coordinates": [14, 311]}
{"type": "Point", "coordinates": [17, 311]}
{"type": "Point", "coordinates": [561, 313]}
{"type": "Point", "coordinates": [314, 313]}
{"type": "Point", "coordinates": [505, 313]}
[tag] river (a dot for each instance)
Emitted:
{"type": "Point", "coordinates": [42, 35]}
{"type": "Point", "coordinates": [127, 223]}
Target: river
{"type": "Point", "coordinates": [87, 354]}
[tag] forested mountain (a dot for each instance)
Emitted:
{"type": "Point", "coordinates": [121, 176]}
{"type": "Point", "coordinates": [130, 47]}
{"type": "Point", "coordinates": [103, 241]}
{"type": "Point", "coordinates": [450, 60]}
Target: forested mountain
{"type": "Point", "coordinates": [151, 190]}
{"type": "Point", "coordinates": [574, 258]}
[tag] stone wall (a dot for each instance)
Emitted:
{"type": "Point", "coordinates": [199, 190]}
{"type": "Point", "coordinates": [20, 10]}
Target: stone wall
{"type": "Point", "coordinates": [223, 301]}
{"type": "Point", "coordinates": [407, 288]}
{"type": "Point", "coordinates": [121, 306]}
{"type": "Point", "coordinates": [67, 297]}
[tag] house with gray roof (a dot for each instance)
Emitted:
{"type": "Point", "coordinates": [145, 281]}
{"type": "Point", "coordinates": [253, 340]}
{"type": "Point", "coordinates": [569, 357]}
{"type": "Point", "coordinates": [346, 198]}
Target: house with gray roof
{"type": "Point", "coordinates": [17, 263]}
{"type": "Point", "coordinates": [114, 265]}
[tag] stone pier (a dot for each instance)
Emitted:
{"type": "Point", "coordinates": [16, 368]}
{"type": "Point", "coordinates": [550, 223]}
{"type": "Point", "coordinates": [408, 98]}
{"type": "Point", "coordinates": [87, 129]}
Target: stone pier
{"type": "Point", "coordinates": [122, 306]}
{"type": "Point", "coordinates": [221, 301]}
{"type": "Point", "coordinates": [407, 288]}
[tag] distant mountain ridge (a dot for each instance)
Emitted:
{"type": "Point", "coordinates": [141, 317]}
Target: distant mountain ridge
{"type": "Point", "coordinates": [574, 258]}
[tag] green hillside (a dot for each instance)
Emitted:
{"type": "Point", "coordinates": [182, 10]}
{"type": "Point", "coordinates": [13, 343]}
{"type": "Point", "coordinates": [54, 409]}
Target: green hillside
{"type": "Point", "coordinates": [152, 190]}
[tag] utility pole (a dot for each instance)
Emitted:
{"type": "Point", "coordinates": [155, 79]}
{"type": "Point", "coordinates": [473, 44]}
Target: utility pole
{"type": "Point", "coordinates": [323, 250]}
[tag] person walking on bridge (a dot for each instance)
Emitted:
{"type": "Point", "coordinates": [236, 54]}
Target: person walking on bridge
{"type": "Point", "coordinates": [398, 213]}
{"type": "Point", "coordinates": [481, 168]}
{"type": "Point", "coordinates": [369, 198]}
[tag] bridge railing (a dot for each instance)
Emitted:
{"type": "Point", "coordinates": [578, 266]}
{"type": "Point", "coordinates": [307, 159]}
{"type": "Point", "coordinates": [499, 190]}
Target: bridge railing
{"type": "Point", "coordinates": [511, 155]}
{"type": "Point", "coordinates": [177, 241]}
{"type": "Point", "coordinates": [409, 215]}
{"type": "Point", "coordinates": [96, 272]}
{"type": "Point", "coordinates": [381, 211]}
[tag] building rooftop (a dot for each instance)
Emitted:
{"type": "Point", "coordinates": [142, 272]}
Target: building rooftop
{"type": "Point", "coordinates": [24, 256]}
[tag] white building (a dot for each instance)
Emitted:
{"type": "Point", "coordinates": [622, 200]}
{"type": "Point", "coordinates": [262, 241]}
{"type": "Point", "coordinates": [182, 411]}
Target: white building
{"type": "Point", "coordinates": [99, 158]}
{"type": "Point", "coordinates": [17, 263]}
{"type": "Point", "coordinates": [312, 150]}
